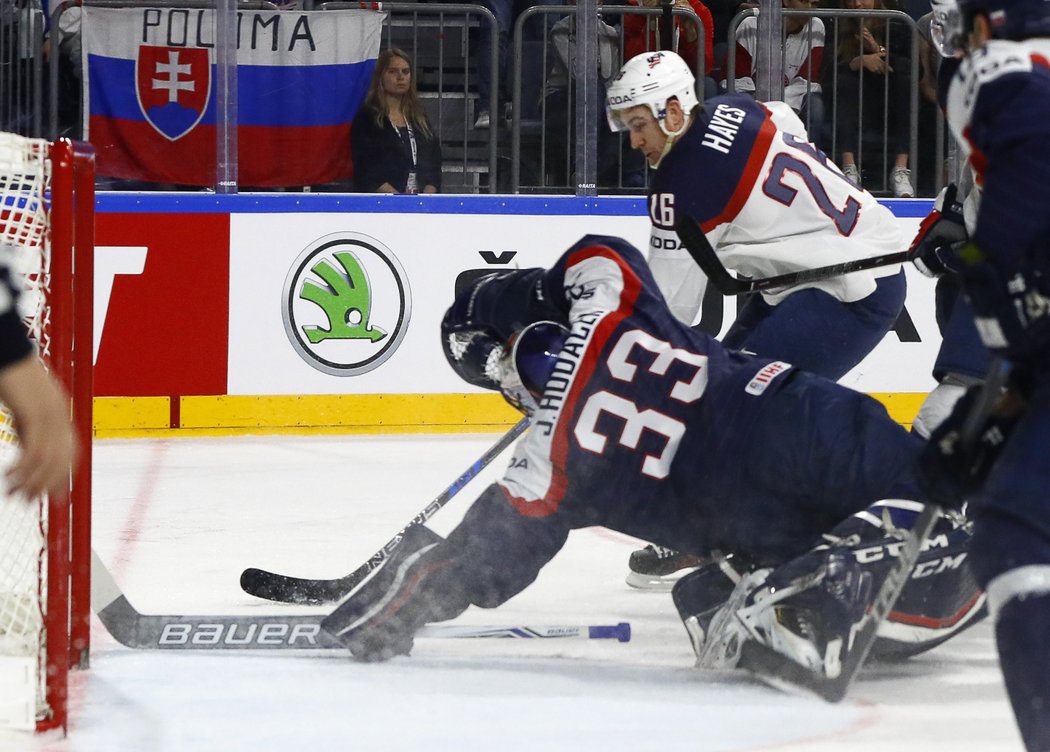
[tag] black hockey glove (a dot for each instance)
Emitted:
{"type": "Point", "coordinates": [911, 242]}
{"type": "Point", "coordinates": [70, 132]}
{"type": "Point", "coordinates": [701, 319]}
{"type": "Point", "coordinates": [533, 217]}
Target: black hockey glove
{"type": "Point", "coordinates": [951, 472]}
{"type": "Point", "coordinates": [465, 313]}
{"type": "Point", "coordinates": [1011, 308]}
{"type": "Point", "coordinates": [413, 587]}
{"type": "Point", "coordinates": [935, 249]}
{"type": "Point", "coordinates": [503, 303]}
{"type": "Point", "coordinates": [473, 355]}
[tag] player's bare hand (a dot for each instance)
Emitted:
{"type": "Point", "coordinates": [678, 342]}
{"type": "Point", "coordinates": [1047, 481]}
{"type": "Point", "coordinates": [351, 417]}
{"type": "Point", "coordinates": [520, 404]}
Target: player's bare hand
{"type": "Point", "coordinates": [876, 63]}
{"type": "Point", "coordinates": [868, 43]}
{"type": "Point", "coordinates": [48, 447]}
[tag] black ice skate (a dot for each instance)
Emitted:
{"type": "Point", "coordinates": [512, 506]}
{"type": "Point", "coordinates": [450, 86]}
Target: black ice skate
{"type": "Point", "coordinates": [658, 568]}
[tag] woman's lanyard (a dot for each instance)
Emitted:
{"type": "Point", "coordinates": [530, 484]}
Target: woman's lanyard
{"type": "Point", "coordinates": [411, 139]}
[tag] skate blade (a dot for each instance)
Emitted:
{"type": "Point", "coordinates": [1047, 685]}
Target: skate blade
{"type": "Point", "coordinates": [655, 583]}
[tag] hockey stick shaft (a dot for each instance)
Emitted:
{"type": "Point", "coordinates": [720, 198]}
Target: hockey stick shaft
{"type": "Point", "coordinates": [991, 390]}
{"type": "Point", "coordinates": [699, 247]}
{"type": "Point", "coordinates": [288, 589]}
{"type": "Point", "coordinates": [281, 632]}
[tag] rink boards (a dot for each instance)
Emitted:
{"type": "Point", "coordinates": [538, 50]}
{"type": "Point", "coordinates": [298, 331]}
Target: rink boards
{"type": "Point", "coordinates": [320, 312]}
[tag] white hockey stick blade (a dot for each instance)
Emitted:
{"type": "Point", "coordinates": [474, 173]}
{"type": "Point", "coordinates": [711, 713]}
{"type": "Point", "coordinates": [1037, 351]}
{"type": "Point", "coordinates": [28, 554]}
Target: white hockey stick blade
{"type": "Point", "coordinates": [277, 632]}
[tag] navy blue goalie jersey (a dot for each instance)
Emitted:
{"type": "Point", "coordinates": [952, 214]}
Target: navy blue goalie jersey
{"type": "Point", "coordinates": [654, 429]}
{"type": "Point", "coordinates": [632, 425]}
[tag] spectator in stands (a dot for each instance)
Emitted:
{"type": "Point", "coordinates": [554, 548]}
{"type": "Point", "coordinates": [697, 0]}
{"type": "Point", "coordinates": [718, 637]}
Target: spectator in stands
{"type": "Point", "coordinates": [803, 58]}
{"type": "Point", "coordinates": [930, 160]}
{"type": "Point", "coordinates": [21, 36]}
{"type": "Point", "coordinates": [65, 41]}
{"type": "Point", "coordinates": [722, 12]}
{"type": "Point", "coordinates": [618, 164]}
{"type": "Point", "coordinates": [393, 146]}
{"type": "Point", "coordinates": [642, 34]}
{"type": "Point", "coordinates": [872, 69]}
{"type": "Point", "coordinates": [506, 13]}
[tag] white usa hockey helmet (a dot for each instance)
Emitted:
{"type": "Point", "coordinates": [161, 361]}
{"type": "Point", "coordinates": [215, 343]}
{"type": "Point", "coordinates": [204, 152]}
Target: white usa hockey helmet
{"type": "Point", "coordinates": [651, 79]}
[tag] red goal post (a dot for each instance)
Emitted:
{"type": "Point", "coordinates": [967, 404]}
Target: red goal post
{"type": "Point", "coordinates": [47, 197]}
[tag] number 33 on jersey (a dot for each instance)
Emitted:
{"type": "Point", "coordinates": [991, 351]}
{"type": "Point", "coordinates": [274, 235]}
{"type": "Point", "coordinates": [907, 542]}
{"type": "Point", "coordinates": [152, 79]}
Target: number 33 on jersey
{"type": "Point", "coordinates": [635, 395]}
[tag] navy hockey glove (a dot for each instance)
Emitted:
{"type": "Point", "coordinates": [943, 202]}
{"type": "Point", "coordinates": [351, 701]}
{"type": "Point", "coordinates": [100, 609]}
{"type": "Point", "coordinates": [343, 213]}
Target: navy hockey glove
{"type": "Point", "coordinates": [412, 588]}
{"type": "Point", "coordinates": [503, 303]}
{"type": "Point", "coordinates": [951, 472]}
{"type": "Point", "coordinates": [1011, 308]}
{"type": "Point", "coordinates": [935, 249]}
{"type": "Point", "coordinates": [464, 313]}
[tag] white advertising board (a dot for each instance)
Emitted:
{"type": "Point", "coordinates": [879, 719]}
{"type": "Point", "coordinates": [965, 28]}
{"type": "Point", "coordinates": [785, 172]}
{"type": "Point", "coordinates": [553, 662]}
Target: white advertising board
{"type": "Point", "coordinates": [281, 335]}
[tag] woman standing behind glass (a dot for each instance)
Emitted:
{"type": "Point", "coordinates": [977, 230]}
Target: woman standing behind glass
{"type": "Point", "coordinates": [393, 147]}
{"type": "Point", "coordinates": [874, 78]}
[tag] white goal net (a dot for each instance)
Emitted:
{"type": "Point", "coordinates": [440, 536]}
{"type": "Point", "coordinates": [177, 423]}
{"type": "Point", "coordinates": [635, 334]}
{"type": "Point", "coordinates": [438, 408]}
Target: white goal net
{"type": "Point", "coordinates": [25, 179]}
{"type": "Point", "coordinates": [44, 574]}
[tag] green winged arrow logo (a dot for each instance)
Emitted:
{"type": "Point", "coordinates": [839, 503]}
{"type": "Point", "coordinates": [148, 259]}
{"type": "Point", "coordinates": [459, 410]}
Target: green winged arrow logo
{"type": "Point", "coordinates": [337, 292]}
{"type": "Point", "coordinates": [346, 300]}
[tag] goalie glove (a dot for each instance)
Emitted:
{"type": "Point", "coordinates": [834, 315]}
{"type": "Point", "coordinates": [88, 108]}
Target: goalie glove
{"type": "Point", "coordinates": [414, 587]}
{"type": "Point", "coordinates": [474, 355]}
{"type": "Point", "coordinates": [935, 249]}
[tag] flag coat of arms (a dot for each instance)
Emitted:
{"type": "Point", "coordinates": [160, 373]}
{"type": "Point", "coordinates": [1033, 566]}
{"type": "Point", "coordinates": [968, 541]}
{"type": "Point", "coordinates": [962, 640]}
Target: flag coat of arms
{"type": "Point", "coordinates": [151, 110]}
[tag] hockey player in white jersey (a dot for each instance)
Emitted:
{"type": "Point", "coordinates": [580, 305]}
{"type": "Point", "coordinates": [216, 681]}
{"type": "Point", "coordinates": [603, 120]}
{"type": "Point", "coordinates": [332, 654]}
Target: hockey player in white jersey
{"type": "Point", "coordinates": [770, 203]}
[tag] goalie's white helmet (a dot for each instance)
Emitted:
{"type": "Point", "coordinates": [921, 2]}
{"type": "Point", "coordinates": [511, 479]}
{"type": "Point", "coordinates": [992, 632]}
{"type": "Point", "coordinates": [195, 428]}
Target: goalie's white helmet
{"type": "Point", "coordinates": [651, 79]}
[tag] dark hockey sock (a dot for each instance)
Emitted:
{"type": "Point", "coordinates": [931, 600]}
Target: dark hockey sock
{"type": "Point", "coordinates": [1024, 653]}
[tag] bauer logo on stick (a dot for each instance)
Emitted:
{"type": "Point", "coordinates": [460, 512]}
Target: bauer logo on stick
{"type": "Point", "coordinates": [346, 304]}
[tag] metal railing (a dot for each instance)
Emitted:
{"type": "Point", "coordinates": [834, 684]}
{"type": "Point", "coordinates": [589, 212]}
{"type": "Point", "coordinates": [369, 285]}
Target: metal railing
{"type": "Point", "coordinates": [829, 60]}
{"type": "Point", "coordinates": [438, 38]}
{"type": "Point", "coordinates": [512, 156]}
{"type": "Point", "coordinates": [537, 128]}
{"type": "Point", "coordinates": [412, 26]}
{"type": "Point", "coordinates": [21, 70]}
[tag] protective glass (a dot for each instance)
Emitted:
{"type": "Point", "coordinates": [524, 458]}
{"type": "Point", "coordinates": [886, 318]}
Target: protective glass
{"type": "Point", "coordinates": [946, 29]}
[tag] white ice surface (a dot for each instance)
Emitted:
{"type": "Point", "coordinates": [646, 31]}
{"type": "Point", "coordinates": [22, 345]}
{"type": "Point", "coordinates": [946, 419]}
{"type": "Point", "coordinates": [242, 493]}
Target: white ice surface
{"type": "Point", "coordinates": [177, 520]}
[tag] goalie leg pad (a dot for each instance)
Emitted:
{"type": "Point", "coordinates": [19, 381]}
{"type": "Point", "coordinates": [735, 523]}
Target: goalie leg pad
{"type": "Point", "coordinates": [806, 609]}
{"type": "Point", "coordinates": [414, 586]}
{"type": "Point", "coordinates": [940, 598]}
{"type": "Point", "coordinates": [719, 637]}
{"type": "Point", "coordinates": [700, 595]}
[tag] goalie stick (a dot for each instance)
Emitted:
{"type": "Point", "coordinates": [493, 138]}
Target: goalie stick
{"type": "Point", "coordinates": [287, 589]}
{"type": "Point", "coordinates": [699, 247]}
{"type": "Point", "coordinates": [287, 632]}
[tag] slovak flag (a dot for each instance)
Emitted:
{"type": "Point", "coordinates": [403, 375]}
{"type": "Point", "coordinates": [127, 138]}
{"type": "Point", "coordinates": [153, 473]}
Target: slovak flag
{"type": "Point", "coordinates": [151, 109]}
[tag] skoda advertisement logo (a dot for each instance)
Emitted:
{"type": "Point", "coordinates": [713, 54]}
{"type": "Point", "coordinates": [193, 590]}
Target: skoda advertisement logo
{"type": "Point", "coordinates": [346, 304]}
